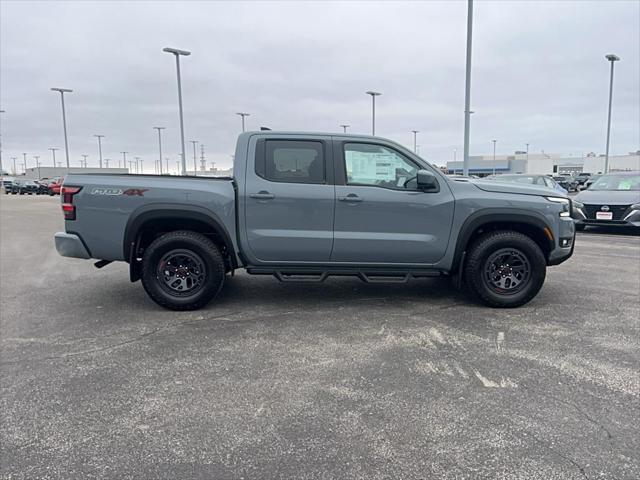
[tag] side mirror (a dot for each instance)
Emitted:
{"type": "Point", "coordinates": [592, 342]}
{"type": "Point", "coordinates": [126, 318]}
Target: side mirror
{"type": "Point", "coordinates": [427, 181]}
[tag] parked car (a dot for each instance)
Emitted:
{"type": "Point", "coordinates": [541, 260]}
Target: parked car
{"type": "Point", "coordinates": [54, 185]}
{"type": "Point", "coordinates": [566, 182]}
{"type": "Point", "coordinates": [612, 200]}
{"type": "Point", "coordinates": [43, 187]}
{"type": "Point", "coordinates": [539, 180]}
{"type": "Point", "coordinates": [308, 206]}
{"type": "Point", "coordinates": [7, 184]}
{"type": "Point", "coordinates": [22, 187]}
{"type": "Point", "coordinates": [582, 177]}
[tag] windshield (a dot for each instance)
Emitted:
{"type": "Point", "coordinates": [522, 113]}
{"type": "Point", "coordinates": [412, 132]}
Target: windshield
{"type": "Point", "coordinates": [617, 182]}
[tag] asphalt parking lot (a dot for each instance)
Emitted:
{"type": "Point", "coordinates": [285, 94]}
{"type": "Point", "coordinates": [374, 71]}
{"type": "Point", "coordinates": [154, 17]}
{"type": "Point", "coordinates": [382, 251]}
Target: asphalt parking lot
{"type": "Point", "coordinates": [335, 380]}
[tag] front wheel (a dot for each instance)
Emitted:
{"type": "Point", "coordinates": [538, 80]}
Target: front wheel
{"type": "Point", "coordinates": [505, 269]}
{"type": "Point", "coordinates": [182, 270]}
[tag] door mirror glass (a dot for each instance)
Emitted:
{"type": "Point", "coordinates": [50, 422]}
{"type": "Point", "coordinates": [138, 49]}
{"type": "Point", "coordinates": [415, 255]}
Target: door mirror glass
{"type": "Point", "coordinates": [427, 181]}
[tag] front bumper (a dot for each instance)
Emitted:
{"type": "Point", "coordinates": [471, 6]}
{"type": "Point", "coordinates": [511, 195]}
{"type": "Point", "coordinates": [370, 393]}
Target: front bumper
{"type": "Point", "coordinates": [566, 233]}
{"type": "Point", "coordinates": [70, 245]}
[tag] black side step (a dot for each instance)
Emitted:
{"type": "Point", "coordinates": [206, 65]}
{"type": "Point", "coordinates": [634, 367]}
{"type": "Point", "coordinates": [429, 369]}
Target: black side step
{"type": "Point", "coordinates": [373, 275]}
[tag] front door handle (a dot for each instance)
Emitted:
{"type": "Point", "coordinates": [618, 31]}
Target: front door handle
{"type": "Point", "coordinates": [262, 195]}
{"type": "Point", "coordinates": [352, 197]}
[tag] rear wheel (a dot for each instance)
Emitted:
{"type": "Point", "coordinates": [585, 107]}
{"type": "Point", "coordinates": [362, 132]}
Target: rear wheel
{"type": "Point", "coordinates": [182, 270]}
{"type": "Point", "coordinates": [505, 269]}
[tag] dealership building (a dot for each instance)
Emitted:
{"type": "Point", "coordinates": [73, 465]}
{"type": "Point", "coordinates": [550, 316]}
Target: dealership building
{"type": "Point", "coordinates": [544, 163]}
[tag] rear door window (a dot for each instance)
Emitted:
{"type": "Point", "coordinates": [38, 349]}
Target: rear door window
{"type": "Point", "coordinates": [292, 161]}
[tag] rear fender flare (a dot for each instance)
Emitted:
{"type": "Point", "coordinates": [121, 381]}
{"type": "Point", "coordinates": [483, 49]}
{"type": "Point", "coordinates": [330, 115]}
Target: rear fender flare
{"type": "Point", "coordinates": [149, 213]}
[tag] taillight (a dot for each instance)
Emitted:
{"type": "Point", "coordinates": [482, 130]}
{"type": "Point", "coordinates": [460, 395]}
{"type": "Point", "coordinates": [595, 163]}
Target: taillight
{"type": "Point", "coordinates": [66, 194]}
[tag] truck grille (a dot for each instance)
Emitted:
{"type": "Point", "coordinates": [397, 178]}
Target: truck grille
{"type": "Point", "coordinates": [617, 211]}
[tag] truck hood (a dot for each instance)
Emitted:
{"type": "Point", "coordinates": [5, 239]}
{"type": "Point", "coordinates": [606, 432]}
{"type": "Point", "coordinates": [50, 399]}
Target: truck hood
{"type": "Point", "coordinates": [509, 187]}
{"type": "Point", "coordinates": [608, 197]}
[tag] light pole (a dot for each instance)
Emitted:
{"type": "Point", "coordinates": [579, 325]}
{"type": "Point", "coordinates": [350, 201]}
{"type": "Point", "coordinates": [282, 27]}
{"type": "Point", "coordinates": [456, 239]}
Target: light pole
{"type": "Point", "coordinates": [373, 110]}
{"type": "Point", "coordinates": [177, 54]}
{"type": "Point", "coordinates": [24, 161]}
{"type": "Point", "coordinates": [100, 137]}
{"type": "Point", "coordinates": [467, 89]}
{"type": "Point", "coordinates": [124, 161]}
{"type": "Point", "coordinates": [159, 129]}
{"type": "Point", "coordinates": [15, 172]}
{"type": "Point", "coordinates": [527, 154]}
{"type": "Point", "coordinates": [37, 157]}
{"type": "Point", "coordinates": [137, 159]}
{"type": "Point", "coordinates": [141, 166]}
{"type": "Point", "coordinates": [106, 162]}
{"type": "Point", "coordinates": [167, 160]}
{"type": "Point", "coordinates": [242, 114]}
{"type": "Point", "coordinates": [1, 170]}
{"type": "Point", "coordinates": [415, 141]}
{"type": "Point", "coordinates": [494, 156]}
{"type": "Point", "coordinates": [612, 58]}
{"type": "Point", "coordinates": [195, 158]}
{"type": "Point", "coordinates": [64, 120]}
{"type": "Point", "coordinates": [344, 128]}
{"type": "Point", "coordinates": [85, 160]}
{"type": "Point", "coordinates": [53, 152]}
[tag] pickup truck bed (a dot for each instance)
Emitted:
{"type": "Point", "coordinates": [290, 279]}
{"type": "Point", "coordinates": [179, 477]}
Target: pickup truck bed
{"type": "Point", "coordinates": [306, 206]}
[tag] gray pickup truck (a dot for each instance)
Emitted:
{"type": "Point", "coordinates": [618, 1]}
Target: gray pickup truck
{"type": "Point", "coordinates": [303, 207]}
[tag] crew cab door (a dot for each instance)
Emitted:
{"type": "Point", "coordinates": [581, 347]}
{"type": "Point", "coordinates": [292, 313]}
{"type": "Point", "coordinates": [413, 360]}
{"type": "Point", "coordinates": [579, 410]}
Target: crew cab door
{"type": "Point", "coordinates": [381, 216]}
{"type": "Point", "coordinates": [289, 200]}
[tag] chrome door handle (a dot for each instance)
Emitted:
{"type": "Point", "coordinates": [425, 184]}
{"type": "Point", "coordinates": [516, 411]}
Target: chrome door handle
{"type": "Point", "coordinates": [351, 198]}
{"type": "Point", "coordinates": [262, 195]}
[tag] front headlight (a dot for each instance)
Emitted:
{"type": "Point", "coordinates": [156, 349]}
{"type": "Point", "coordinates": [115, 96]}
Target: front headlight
{"type": "Point", "coordinates": [566, 205]}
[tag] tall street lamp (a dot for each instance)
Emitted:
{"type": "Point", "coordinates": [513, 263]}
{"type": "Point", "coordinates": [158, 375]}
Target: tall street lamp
{"type": "Point", "coordinates": [14, 165]}
{"type": "Point", "coordinates": [344, 128]}
{"type": "Point", "coordinates": [467, 89]}
{"type": "Point", "coordinates": [124, 161]}
{"type": "Point", "coordinates": [137, 160]}
{"type": "Point", "coordinates": [527, 154]}
{"type": "Point", "coordinates": [24, 161]}
{"type": "Point", "coordinates": [53, 152]}
{"type": "Point", "coordinates": [242, 114]}
{"type": "Point", "coordinates": [415, 140]}
{"type": "Point", "coordinates": [373, 110]}
{"type": "Point", "coordinates": [84, 157]}
{"type": "Point", "coordinates": [159, 129]}
{"type": "Point", "coordinates": [177, 53]}
{"type": "Point", "coordinates": [494, 156]}
{"type": "Point", "coordinates": [106, 162]}
{"type": "Point", "coordinates": [64, 120]}
{"type": "Point", "coordinates": [37, 157]}
{"type": "Point", "coordinates": [612, 58]}
{"type": "Point", "coordinates": [195, 158]}
{"type": "Point", "coordinates": [100, 137]}
{"type": "Point", "coordinates": [1, 170]}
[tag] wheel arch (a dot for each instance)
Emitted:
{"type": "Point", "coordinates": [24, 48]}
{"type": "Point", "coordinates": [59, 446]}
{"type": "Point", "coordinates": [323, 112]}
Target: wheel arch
{"type": "Point", "coordinates": [147, 223]}
{"type": "Point", "coordinates": [524, 221]}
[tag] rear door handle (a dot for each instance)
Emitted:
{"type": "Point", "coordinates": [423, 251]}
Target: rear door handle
{"type": "Point", "coordinates": [262, 195]}
{"type": "Point", "coordinates": [352, 197]}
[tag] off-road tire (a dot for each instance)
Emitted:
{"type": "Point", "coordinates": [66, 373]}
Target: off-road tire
{"type": "Point", "coordinates": [189, 241]}
{"type": "Point", "coordinates": [477, 260]}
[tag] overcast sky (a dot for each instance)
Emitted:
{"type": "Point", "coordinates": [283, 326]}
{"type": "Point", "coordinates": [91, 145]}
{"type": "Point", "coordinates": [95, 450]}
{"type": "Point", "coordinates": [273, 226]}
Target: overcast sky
{"type": "Point", "coordinates": [539, 75]}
